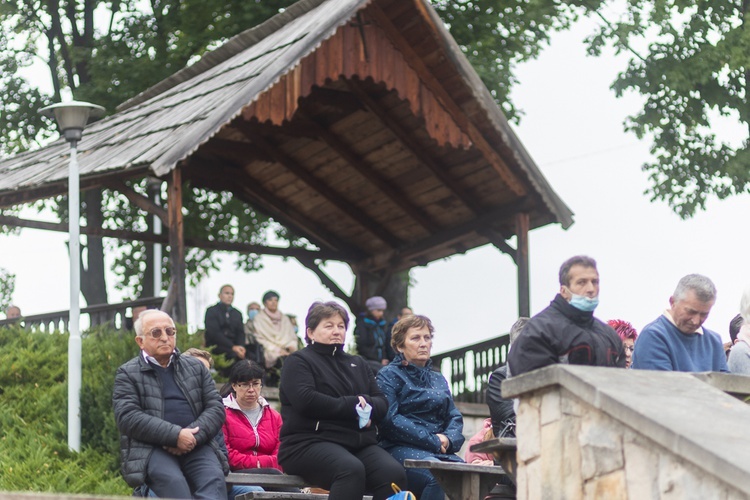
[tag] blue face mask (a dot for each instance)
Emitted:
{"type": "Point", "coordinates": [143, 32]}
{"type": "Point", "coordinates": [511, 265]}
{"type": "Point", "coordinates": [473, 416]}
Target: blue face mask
{"type": "Point", "coordinates": [583, 303]}
{"type": "Point", "coordinates": [251, 314]}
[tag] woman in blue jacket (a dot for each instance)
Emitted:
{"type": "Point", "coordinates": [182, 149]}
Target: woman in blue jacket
{"type": "Point", "coordinates": [422, 421]}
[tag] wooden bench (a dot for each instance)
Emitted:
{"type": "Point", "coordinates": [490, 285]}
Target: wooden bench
{"type": "Point", "coordinates": [504, 451]}
{"type": "Point", "coordinates": [461, 481]}
{"type": "Point", "coordinates": [278, 495]}
{"type": "Point", "coordinates": [274, 481]}
{"type": "Point", "coordinates": [267, 480]}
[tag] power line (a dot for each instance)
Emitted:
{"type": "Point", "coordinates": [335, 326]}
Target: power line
{"type": "Point", "coordinates": [590, 154]}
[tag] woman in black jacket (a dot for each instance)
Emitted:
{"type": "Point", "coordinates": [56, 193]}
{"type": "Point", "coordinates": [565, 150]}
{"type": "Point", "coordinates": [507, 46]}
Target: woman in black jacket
{"type": "Point", "coordinates": [331, 405]}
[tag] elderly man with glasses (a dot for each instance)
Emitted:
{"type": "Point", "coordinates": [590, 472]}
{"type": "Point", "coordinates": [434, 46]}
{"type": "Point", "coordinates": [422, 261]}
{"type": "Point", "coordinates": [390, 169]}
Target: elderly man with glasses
{"type": "Point", "coordinates": [168, 410]}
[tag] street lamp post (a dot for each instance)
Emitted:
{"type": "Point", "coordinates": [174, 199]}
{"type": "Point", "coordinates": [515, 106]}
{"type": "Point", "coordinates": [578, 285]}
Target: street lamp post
{"type": "Point", "coordinates": [72, 118]}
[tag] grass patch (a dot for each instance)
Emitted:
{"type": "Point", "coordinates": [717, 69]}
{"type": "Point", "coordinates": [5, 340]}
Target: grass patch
{"type": "Point", "coordinates": [34, 453]}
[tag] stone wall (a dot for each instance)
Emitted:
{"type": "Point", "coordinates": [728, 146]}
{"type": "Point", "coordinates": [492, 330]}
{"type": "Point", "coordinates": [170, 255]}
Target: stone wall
{"type": "Point", "coordinates": [574, 442]}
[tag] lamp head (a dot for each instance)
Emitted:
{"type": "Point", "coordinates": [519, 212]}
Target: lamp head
{"type": "Point", "coordinates": [72, 117]}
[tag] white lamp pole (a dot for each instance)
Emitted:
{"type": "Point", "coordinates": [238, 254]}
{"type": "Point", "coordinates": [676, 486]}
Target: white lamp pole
{"type": "Point", "coordinates": [71, 118]}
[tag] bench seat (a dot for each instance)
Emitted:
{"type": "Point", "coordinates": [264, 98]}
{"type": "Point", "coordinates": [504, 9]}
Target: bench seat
{"type": "Point", "coordinates": [278, 495]}
{"type": "Point", "coordinates": [267, 480]}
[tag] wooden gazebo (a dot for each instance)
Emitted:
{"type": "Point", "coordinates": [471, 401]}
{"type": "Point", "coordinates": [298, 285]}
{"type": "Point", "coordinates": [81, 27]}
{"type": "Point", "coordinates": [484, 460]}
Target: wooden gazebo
{"type": "Point", "coordinates": [358, 124]}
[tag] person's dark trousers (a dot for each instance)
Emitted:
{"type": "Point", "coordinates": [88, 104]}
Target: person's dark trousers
{"type": "Point", "coordinates": [423, 484]}
{"type": "Point", "coordinates": [197, 474]}
{"type": "Point", "coordinates": [255, 352]}
{"type": "Point", "coordinates": [346, 474]}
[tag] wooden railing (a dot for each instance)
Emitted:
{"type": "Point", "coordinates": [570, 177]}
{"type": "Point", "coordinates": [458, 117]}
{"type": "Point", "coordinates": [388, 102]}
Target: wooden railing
{"type": "Point", "coordinates": [468, 369]}
{"type": "Point", "coordinates": [100, 314]}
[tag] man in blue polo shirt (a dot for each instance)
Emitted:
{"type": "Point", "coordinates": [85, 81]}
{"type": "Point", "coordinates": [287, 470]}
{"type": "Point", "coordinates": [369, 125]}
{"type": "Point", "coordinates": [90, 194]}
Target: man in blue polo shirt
{"type": "Point", "coordinates": [677, 341]}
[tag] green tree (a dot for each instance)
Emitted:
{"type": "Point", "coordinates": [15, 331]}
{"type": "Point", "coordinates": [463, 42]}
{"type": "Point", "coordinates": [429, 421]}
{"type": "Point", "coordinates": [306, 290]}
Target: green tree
{"type": "Point", "coordinates": [7, 286]}
{"type": "Point", "coordinates": [107, 52]}
{"type": "Point", "coordinates": [107, 62]}
{"type": "Point", "coordinates": [498, 36]}
{"type": "Point", "coordinates": [691, 63]}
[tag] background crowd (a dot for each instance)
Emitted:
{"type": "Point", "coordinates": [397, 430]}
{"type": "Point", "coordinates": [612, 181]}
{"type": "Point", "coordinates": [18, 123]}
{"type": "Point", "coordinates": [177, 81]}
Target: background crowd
{"type": "Point", "coordinates": [349, 422]}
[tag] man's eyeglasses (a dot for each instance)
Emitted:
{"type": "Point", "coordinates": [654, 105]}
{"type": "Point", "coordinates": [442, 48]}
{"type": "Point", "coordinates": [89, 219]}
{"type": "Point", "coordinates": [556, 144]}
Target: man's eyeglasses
{"type": "Point", "coordinates": [158, 332]}
{"type": "Point", "coordinates": [245, 386]}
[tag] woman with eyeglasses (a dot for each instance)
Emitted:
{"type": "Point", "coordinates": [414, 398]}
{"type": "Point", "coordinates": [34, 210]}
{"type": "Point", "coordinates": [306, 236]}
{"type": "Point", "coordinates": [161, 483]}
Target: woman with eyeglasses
{"type": "Point", "coordinates": [251, 430]}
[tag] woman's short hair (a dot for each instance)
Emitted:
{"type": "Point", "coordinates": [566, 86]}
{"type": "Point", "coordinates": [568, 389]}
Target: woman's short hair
{"type": "Point", "coordinates": [245, 370]}
{"type": "Point", "coordinates": [322, 310]}
{"type": "Point", "coordinates": [623, 328]}
{"type": "Point", "coordinates": [398, 333]}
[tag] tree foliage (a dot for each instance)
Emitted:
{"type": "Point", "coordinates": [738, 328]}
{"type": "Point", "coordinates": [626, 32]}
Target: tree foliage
{"type": "Point", "coordinates": [7, 286]}
{"type": "Point", "coordinates": [497, 36]}
{"type": "Point", "coordinates": [107, 52]}
{"type": "Point", "coordinates": [691, 62]}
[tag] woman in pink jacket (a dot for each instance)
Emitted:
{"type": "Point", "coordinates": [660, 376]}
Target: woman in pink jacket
{"type": "Point", "coordinates": [251, 430]}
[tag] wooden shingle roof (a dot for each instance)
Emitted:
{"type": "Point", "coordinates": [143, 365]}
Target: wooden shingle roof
{"type": "Point", "coordinates": [357, 123]}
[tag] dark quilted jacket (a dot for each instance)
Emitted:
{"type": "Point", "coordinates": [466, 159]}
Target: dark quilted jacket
{"type": "Point", "coordinates": [139, 409]}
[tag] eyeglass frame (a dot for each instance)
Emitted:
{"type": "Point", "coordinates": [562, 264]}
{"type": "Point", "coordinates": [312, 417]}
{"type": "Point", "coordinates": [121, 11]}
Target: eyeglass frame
{"type": "Point", "coordinates": [169, 330]}
{"type": "Point", "coordinates": [246, 385]}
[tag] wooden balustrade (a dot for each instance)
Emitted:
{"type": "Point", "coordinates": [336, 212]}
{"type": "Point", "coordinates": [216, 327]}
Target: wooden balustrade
{"type": "Point", "coordinates": [99, 314]}
{"type": "Point", "coordinates": [468, 368]}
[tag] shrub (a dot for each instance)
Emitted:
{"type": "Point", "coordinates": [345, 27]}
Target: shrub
{"type": "Point", "coordinates": [34, 454]}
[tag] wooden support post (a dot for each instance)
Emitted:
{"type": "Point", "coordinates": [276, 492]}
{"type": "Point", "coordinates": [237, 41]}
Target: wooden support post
{"type": "Point", "coordinates": [522, 262]}
{"type": "Point", "coordinates": [176, 245]}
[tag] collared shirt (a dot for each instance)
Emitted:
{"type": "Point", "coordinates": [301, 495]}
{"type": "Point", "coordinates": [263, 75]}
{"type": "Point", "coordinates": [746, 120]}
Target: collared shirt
{"type": "Point", "coordinates": [668, 315]}
{"type": "Point", "coordinates": [151, 359]}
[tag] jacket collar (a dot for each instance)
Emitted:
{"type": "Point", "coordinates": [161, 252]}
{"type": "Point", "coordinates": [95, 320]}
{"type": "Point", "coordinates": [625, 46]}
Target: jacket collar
{"type": "Point", "coordinates": [326, 349]}
{"type": "Point", "coordinates": [373, 321]}
{"type": "Point", "coordinates": [145, 359]}
{"type": "Point", "coordinates": [230, 402]}
{"type": "Point", "coordinates": [400, 361]}
{"type": "Point", "coordinates": [575, 315]}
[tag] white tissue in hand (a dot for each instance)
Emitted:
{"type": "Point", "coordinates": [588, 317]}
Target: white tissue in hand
{"type": "Point", "coordinates": [364, 414]}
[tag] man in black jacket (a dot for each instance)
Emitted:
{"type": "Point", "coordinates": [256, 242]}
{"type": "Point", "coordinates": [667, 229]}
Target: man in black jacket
{"type": "Point", "coordinates": [168, 411]}
{"type": "Point", "coordinates": [502, 414]}
{"type": "Point", "coordinates": [567, 331]}
{"type": "Point", "coordinates": [225, 332]}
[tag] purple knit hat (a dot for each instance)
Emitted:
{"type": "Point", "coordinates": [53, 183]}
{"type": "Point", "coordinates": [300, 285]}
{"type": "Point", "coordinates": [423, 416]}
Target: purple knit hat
{"type": "Point", "coordinates": [376, 302]}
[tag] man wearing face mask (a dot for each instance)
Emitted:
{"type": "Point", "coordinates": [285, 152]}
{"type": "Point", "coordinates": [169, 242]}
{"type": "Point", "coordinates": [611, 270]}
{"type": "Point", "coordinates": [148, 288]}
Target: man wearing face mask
{"type": "Point", "coordinates": [254, 349]}
{"type": "Point", "coordinates": [567, 331]}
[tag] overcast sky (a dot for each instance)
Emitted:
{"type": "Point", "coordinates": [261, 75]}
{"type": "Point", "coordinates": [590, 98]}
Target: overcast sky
{"type": "Point", "coordinates": [573, 129]}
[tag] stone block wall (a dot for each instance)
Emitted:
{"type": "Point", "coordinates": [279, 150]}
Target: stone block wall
{"type": "Point", "coordinates": [567, 449]}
